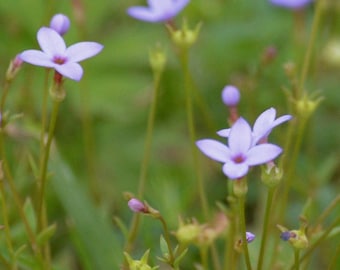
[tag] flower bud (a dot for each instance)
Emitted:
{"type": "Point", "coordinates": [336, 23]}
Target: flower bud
{"type": "Point", "coordinates": [306, 106]}
{"type": "Point", "coordinates": [137, 206]}
{"type": "Point", "coordinates": [13, 68]}
{"type": "Point", "coordinates": [157, 59]}
{"type": "Point", "coordinates": [185, 37]}
{"type": "Point", "coordinates": [60, 23]}
{"type": "Point", "coordinates": [230, 95]}
{"type": "Point", "coordinates": [141, 264]}
{"type": "Point", "coordinates": [271, 175]}
{"type": "Point", "coordinates": [187, 233]}
{"type": "Point", "coordinates": [250, 237]}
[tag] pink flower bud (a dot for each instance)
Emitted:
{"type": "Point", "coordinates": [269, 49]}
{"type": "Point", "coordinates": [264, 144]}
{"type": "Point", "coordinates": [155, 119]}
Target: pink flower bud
{"type": "Point", "coordinates": [230, 95]}
{"type": "Point", "coordinates": [60, 23]}
{"type": "Point", "coordinates": [137, 206]}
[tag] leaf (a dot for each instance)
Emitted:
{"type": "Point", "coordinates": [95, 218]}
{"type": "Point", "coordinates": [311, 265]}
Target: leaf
{"type": "Point", "coordinates": [46, 234]}
{"type": "Point", "coordinates": [100, 246]}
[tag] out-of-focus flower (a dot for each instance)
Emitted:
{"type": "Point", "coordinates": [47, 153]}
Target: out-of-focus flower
{"type": "Point", "coordinates": [54, 54]}
{"type": "Point", "coordinates": [293, 4]}
{"type": "Point", "coordinates": [263, 125]}
{"type": "Point", "coordinates": [250, 237]}
{"type": "Point", "coordinates": [240, 153]}
{"type": "Point", "coordinates": [60, 23]}
{"type": "Point", "coordinates": [230, 95]}
{"type": "Point", "coordinates": [158, 10]}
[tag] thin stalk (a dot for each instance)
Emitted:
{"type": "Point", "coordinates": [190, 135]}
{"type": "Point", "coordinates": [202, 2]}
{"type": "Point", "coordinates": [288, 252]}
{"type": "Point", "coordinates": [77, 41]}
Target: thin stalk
{"type": "Point", "coordinates": [43, 118]}
{"type": "Point", "coordinates": [8, 176]}
{"type": "Point", "coordinates": [191, 128]}
{"type": "Point", "coordinates": [7, 226]}
{"type": "Point", "coordinates": [327, 211]}
{"type": "Point", "coordinates": [310, 48]}
{"type": "Point", "coordinates": [297, 258]}
{"type": "Point", "coordinates": [290, 165]}
{"type": "Point", "coordinates": [265, 227]}
{"type": "Point", "coordinates": [333, 261]}
{"type": "Point", "coordinates": [320, 239]}
{"type": "Point", "coordinates": [167, 240]}
{"type": "Point", "coordinates": [145, 161]}
{"type": "Point", "coordinates": [43, 169]}
{"type": "Point", "coordinates": [204, 257]}
{"type": "Point", "coordinates": [243, 230]}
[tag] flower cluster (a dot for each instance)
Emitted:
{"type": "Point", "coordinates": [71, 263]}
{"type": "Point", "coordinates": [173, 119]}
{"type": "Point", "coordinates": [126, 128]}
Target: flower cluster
{"type": "Point", "coordinates": [54, 53]}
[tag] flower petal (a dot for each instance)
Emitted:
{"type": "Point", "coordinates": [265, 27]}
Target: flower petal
{"type": "Point", "coordinates": [179, 5]}
{"type": "Point", "coordinates": [37, 58]}
{"type": "Point", "coordinates": [281, 120]}
{"type": "Point", "coordinates": [144, 14]}
{"type": "Point", "coordinates": [264, 122]}
{"type": "Point", "coordinates": [240, 137]}
{"type": "Point", "coordinates": [214, 149]}
{"type": "Point", "coordinates": [82, 50]}
{"type": "Point", "coordinates": [51, 42]}
{"type": "Point", "coordinates": [72, 71]}
{"type": "Point", "coordinates": [235, 170]}
{"type": "Point", "coordinates": [224, 132]}
{"type": "Point", "coordinates": [262, 153]}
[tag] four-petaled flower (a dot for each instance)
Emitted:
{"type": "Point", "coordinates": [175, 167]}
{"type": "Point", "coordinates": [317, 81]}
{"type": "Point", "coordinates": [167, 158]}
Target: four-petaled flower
{"type": "Point", "coordinates": [240, 153]}
{"type": "Point", "coordinates": [158, 10]}
{"type": "Point", "coordinates": [54, 54]}
{"type": "Point", "coordinates": [293, 4]}
{"type": "Point", "coordinates": [262, 126]}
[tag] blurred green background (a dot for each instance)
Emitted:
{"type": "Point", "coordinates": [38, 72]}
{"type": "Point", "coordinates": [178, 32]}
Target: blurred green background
{"type": "Point", "coordinates": [115, 93]}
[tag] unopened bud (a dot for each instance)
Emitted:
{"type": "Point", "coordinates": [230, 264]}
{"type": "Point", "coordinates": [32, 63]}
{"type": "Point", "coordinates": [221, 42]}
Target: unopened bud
{"type": "Point", "coordinates": [230, 95]}
{"type": "Point", "coordinates": [60, 23]}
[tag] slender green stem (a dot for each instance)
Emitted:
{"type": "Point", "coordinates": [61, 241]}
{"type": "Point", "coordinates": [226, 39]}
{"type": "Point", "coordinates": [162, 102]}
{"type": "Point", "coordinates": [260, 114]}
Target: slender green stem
{"type": "Point", "coordinates": [335, 258]}
{"type": "Point", "coordinates": [320, 239]}
{"type": "Point", "coordinates": [43, 118]}
{"type": "Point", "coordinates": [243, 230]}
{"type": "Point", "coordinates": [8, 176]}
{"type": "Point", "coordinates": [6, 225]}
{"type": "Point", "coordinates": [145, 161]}
{"type": "Point", "coordinates": [327, 211]}
{"type": "Point", "coordinates": [204, 257]}
{"type": "Point", "coordinates": [192, 133]}
{"type": "Point", "coordinates": [42, 212]}
{"type": "Point", "coordinates": [310, 47]}
{"type": "Point", "coordinates": [167, 240]}
{"type": "Point", "coordinates": [290, 164]}
{"type": "Point", "coordinates": [265, 227]}
{"type": "Point", "coordinates": [297, 258]}
{"type": "Point", "coordinates": [43, 169]}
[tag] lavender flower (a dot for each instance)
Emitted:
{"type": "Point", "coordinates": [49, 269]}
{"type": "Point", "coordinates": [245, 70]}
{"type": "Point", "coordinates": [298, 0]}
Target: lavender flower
{"type": "Point", "coordinates": [158, 10]}
{"type": "Point", "coordinates": [293, 4]}
{"type": "Point", "coordinates": [263, 125]}
{"type": "Point", "coordinates": [240, 153]}
{"type": "Point", "coordinates": [250, 237]}
{"type": "Point", "coordinates": [60, 23]}
{"type": "Point", "coordinates": [54, 54]}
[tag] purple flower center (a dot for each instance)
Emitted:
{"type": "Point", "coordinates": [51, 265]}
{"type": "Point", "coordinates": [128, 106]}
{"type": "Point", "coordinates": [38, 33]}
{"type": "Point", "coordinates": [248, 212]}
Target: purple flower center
{"type": "Point", "coordinates": [239, 158]}
{"type": "Point", "coordinates": [59, 60]}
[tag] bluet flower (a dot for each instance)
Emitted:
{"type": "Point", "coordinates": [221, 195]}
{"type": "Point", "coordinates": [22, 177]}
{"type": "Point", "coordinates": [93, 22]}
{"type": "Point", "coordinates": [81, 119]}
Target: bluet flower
{"type": "Point", "coordinates": [158, 10]}
{"type": "Point", "coordinates": [241, 153]}
{"type": "Point", "coordinates": [54, 54]}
